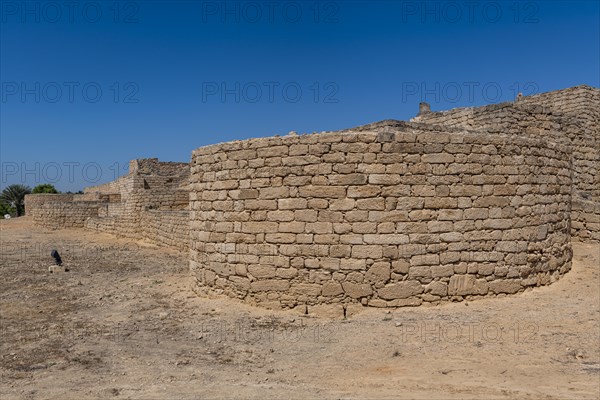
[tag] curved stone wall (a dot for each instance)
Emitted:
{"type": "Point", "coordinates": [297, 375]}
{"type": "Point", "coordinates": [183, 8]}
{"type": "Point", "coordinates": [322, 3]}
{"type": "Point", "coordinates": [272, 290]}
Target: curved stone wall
{"type": "Point", "coordinates": [571, 115]}
{"type": "Point", "coordinates": [386, 215]}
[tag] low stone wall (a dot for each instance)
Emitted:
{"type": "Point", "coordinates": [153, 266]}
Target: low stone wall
{"type": "Point", "coordinates": [167, 228]}
{"type": "Point", "coordinates": [150, 188]}
{"type": "Point", "coordinates": [386, 215]}
{"type": "Point", "coordinates": [101, 224]}
{"type": "Point", "coordinates": [121, 185]}
{"type": "Point", "coordinates": [154, 215]}
{"type": "Point", "coordinates": [586, 220]}
{"type": "Point", "coordinates": [57, 213]}
{"type": "Point", "coordinates": [149, 203]}
{"type": "Point", "coordinates": [163, 228]}
{"type": "Point", "coordinates": [33, 201]}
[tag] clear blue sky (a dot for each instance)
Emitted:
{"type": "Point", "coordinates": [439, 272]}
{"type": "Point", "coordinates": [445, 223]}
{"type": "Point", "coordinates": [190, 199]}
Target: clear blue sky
{"type": "Point", "coordinates": [177, 75]}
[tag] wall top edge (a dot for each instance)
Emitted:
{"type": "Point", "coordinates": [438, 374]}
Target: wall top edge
{"type": "Point", "coordinates": [388, 131]}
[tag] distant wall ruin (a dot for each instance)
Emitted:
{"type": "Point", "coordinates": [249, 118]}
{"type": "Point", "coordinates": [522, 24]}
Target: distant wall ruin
{"type": "Point", "coordinates": [151, 203]}
{"type": "Point", "coordinates": [57, 211]}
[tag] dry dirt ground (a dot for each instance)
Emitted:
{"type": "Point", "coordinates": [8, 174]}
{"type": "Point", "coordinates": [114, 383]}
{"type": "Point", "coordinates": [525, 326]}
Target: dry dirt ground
{"type": "Point", "coordinates": [124, 323]}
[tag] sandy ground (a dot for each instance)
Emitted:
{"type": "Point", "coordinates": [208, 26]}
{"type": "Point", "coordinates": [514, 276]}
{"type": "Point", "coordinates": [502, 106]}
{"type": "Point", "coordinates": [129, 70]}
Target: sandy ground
{"type": "Point", "coordinates": [124, 323]}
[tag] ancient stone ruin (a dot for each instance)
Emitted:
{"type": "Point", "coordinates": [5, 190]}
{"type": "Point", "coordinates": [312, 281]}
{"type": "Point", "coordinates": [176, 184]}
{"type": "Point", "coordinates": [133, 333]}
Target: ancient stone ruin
{"type": "Point", "coordinates": [151, 202]}
{"type": "Point", "coordinates": [451, 205]}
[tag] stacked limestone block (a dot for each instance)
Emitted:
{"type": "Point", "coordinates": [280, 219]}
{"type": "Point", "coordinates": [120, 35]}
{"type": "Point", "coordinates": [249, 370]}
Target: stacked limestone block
{"type": "Point", "coordinates": [101, 224]}
{"type": "Point", "coordinates": [33, 201]}
{"type": "Point", "coordinates": [57, 211]}
{"type": "Point", "coordinates": [149, 203]}
{"type": "Point", "coordinates": [152, 204]}
{"type": "Point", "coordinates": [387, 215]}
{"type": "Point", "coordinates": [167, 228]}
{"type": "Point", "coordinates": [585, 222]}
{"type": "Point", "coordinates": [571, 115]}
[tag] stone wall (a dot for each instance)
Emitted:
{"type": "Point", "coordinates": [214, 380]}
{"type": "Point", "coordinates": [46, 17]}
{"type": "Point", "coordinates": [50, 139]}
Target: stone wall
{"type": "Point", "coordinates": [151, 166]}
{"type": "Point", "coordinates": [386, 215]}
{"type": "Point", "coordinates": [102, 224]}
{"type": "Point", "coordinates": [123, 186]}
{"type": "Point", "coordinates": [572, 114]}
{"type": "Point", "coordinates": [147, 192]}
{"type": "Point", "coordinates": [35, 201]}
{"type": "Point", "coordinates": [148, 203]}
{"type": "Point", "coordinates": [585, 223]}
{"type": "Point", "coordinates": [163, 228]}
{"type": "Point", "coordinates": [57, 211]}
{"type": "Point", "coordinates": [167, 228]}
{"type": "Point", "coordinates": [457, 204]}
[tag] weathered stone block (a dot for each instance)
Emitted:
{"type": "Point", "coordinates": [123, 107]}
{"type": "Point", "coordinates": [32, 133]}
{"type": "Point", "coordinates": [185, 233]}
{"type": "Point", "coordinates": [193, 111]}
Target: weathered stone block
{"type": "Point", "coordinates": [439, 226]}
{"type": "Point", "coordinates": [400, 266]}
{"type": "Point", "coordinates": [437, 158]}
{"type": "Point", "coordinates": [332, 288]}
{"type": "Point", "coordinates": [357, 290]}
{"type": "Point", "coordinates": [286, 273]}
{"type": "Point", "coordinates": [461, 285]}
{"type": "Point", "coordinates": [280, 238]}
{"type": "Point", "coordinates": [323, 191]}
{"type": "Point", "coordinates": [401, 290]}
{"type": "Point", "coordinates": [280, 216]}
{"type": "Point", "coordinates": [363, 191]}
{"type": "Point", "coordinates": [437, 288]}
{"type": "Point", "coordinates": [261, 272]}
{"type": "Point", "coordinates": [292, 227]}
{"type": "Point", "coordinates": [353, 264]}
{"type": "Point", "coordinates": [277, 285]}
{"type": "Point", "coordinates": [342, 204]}
{"type": "Point", "coordinates": [384, 179]}
{"type": "Point", "coordinates": [371, 204]}
{"type": "Point", "coordinates": [349, 179]}
{"type": "Point", "coordinates": [391, 239]}
{"type": "Point", "coordinates": [379, 272]}
{"type": "Point", "coordinates": [309, 289]}
{"type": "Point", "coordinates": [340, 251]}
{"type": "Point", "coordinates": [306, 215]}
{"type": "Point", "coordinates": [240, 283]}
{"type": "Point", "coordinates": [451, 237]}
{"type": "Point", "coordinates": [440, 202]}
{"type": "Point", "coordinates": [367, 251]}
{"type": "Point", "coordinates": [505, 286]}
{"type": "Point", "coordinates": [438, 271]}
{"type": "Point", "coordinates": [292, 204]}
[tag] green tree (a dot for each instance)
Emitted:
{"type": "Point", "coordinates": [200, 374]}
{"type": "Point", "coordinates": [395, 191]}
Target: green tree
{"type": "Point", "coordinates": [44, 188]}
{"type": "Point", "coordinates": [14, 196]}
{"type": "Point", "coordinates": [5, 209]}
